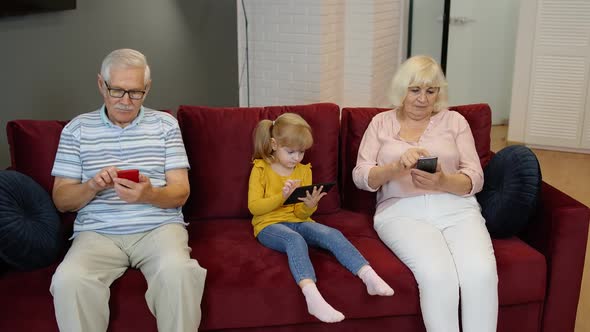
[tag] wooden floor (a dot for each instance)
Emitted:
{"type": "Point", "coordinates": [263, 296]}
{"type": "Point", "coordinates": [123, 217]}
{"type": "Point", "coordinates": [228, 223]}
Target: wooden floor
{"type": "Point", "coordinates": [570, 173]}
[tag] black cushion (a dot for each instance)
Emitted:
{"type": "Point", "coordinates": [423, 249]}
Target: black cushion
{"type": "Point", "coordinates": [30, 232]}
{"type": "Point", "coordinates": [512, 183]}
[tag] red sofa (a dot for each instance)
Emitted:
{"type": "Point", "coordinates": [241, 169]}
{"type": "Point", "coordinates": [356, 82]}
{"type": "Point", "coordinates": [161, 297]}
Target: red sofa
{"type": "Point", "coordinates": [250, 288]}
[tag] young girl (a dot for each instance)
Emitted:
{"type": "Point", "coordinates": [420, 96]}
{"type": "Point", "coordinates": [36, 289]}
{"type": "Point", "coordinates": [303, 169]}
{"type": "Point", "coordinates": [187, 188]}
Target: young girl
{"type": "Point", "coordinates": [279, 147]}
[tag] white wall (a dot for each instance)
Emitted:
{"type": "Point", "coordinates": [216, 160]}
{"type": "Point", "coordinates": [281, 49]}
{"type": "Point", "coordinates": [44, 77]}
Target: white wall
{"type": "Point", "coordinates": [346, 51]}
{"type": "Point", "coordinates": [388, 48]}
{"type": "Point", "coordinates": [373, 42]}
{"type": "Point", "coordinates": [305, 51]}
{"type": "Point", "coordinates": [284, 48]}
{"type": "Point", "coordinates": [481, 54]}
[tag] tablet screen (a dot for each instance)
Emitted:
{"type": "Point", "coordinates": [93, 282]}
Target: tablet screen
{"type": "Point", "coordinates": [300, 192]}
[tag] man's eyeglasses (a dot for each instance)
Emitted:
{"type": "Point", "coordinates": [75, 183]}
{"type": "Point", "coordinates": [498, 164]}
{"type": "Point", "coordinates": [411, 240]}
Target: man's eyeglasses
{"type": "Point", "coordinates": [119, 93]}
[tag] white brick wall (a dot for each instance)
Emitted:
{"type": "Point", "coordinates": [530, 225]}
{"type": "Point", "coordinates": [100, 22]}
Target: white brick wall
{"type": "Point", "coordinates": [305, 51]}
{"type": "Point", "coordinates": [331, 59]}
{"type": "Point", "coordinates": [358, 53]}
{"type": "Point", "coordinates": [386, 49]}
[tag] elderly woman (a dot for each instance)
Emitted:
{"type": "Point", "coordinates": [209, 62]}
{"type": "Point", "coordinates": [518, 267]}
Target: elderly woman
{"type": "Point", "coordinates": [431, 221]}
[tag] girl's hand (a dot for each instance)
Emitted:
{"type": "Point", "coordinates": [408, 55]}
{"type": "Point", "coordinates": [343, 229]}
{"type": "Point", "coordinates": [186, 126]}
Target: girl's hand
{"type": "Point", "coordinates": [289, 186]}
{"type": "Point", "coordinates": [312, 200]}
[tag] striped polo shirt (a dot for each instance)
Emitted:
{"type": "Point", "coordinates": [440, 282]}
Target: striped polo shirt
{"type": "Point", "coordinates": [152, 143]}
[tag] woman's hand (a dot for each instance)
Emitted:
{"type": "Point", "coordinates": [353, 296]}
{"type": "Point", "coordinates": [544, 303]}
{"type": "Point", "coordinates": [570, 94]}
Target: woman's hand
{"type": "Point", "coordinates": [410, 157]}
{"type": "Point", "coordinates": [379, 175]}
{"type": "Point", "coordinates": [428, 181]}
{"type": "Point", "coordinates": [289, 186]}
{"type": "Point", "coordinates": [458, 183]}
{"type": "Point", "coordinates": [312, 200]}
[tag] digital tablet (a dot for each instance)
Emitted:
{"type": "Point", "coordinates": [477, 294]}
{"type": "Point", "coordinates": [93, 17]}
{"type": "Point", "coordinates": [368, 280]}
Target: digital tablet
{"type": "Point", "coordinates": [300, 191]}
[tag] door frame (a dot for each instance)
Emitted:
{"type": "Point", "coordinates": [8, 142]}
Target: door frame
{"type": "Point", "coordinates": [445, 33]}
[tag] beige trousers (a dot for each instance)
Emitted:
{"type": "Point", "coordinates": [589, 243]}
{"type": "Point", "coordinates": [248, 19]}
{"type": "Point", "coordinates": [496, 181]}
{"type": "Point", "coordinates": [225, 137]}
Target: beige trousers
{"type": "Point", "coordinates": [81, 283]}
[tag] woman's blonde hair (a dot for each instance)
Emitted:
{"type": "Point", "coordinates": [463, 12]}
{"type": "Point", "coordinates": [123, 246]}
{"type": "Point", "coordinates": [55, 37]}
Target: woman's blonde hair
{"type": "Point", "coordinates": [289, 129]}
{"type": "Point", "coordinates": [421, 71]}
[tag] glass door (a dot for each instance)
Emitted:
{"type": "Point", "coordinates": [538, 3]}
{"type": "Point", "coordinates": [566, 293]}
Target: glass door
{"type": "Point", "coordinates": [428, 29]}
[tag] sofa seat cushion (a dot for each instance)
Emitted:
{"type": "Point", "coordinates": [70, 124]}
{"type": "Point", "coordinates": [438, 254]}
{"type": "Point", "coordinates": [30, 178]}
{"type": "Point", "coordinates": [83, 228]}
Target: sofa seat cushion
{"type": "Point", "coordinates": [129, 310]}
{"type": "Point", "coordinates": [351, 224]}
{"type": "Point", "coordinates": [26, 298]}
{"type": "Point", "coordinates": [28, 292]}
{"type": "Point", "coordinates": [249, 285]}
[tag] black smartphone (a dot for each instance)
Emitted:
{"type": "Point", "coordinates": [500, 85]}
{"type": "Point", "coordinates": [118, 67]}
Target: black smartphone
{"type": "Point", "coordinates": [301, 191]}
{"type": "Point", "coordinates": [427, 164]}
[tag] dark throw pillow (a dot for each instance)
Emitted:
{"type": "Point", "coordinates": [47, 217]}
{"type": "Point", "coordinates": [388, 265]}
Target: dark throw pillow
{"type": "Point", "coordinates": [512, 183]}
{"type": "Point", "coordinates": [30, 235]}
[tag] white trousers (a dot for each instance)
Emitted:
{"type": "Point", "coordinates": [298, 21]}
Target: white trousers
{"type": "Point", "coordinates": [443, 240]}
{"type": "Point", "coordinates": [81, 283]}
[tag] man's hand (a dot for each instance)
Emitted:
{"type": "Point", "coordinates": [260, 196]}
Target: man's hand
{"type": "Point", "coordinates": [132, 192]}
{"type": "Point", "coordinates": [72, 195]}
{"type": "Point", "coordinates": [170, 196]}
{"type": "Point", "coordinates": [104, 179]}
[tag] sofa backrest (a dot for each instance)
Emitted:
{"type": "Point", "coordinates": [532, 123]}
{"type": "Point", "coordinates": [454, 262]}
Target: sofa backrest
{"type": "Point", "coordinates": [33, 144]}
{"type": "Point", "coordinates": [219, 146]}
{"type": "Point", "coordinates": [355, 121]}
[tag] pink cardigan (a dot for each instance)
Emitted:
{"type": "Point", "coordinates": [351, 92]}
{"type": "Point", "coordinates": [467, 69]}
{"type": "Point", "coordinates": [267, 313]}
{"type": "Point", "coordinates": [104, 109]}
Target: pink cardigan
{"type": "Point", "coordinates": [447, 136]}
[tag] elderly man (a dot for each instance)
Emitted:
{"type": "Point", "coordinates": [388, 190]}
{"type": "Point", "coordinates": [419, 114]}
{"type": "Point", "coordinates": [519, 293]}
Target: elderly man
{"type": "Point", "coordinates": [122, 223]}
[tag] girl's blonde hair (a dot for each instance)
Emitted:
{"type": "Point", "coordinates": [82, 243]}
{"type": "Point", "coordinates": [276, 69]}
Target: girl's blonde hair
{"type": "Point", "coordinates": [421, 71]}
{"type": "Point", "coordinates": [289, 129]}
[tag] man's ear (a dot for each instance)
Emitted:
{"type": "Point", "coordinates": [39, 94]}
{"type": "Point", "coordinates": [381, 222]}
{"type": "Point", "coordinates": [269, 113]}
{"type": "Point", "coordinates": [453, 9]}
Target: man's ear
{"type": "Point", "coordinates": [148, 86]}
{"type": "Point", "coordinates": [101, 86]}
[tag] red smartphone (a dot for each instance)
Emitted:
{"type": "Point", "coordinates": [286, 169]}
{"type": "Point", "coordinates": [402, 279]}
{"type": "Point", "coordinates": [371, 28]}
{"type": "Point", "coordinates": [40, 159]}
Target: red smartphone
{"type": "Point", "coordinates": [129, 174]}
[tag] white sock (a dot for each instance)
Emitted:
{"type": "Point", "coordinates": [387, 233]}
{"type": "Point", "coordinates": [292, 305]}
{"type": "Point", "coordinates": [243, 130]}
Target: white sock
{"type": "Point", "coordinates": [375, 285]}
{"type": "Point", "coordinates": [317, 306]}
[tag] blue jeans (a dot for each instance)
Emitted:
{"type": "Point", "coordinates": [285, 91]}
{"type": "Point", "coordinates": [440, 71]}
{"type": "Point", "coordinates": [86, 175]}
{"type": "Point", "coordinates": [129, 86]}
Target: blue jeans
{"type": "Point", "coordinates": [293, 237]}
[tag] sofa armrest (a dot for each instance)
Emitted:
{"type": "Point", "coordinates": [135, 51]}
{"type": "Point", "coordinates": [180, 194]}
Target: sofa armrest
{"type": "Point", "coordinates": [560, 232]}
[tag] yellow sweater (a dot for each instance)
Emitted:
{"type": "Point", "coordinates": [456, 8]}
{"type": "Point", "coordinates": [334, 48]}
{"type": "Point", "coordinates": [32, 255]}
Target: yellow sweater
{"type": "Point", "coordinates": [265, 196]}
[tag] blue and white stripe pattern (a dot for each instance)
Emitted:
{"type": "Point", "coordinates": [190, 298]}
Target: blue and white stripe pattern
{"type": "Point", "coordinates": [152, 143]}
